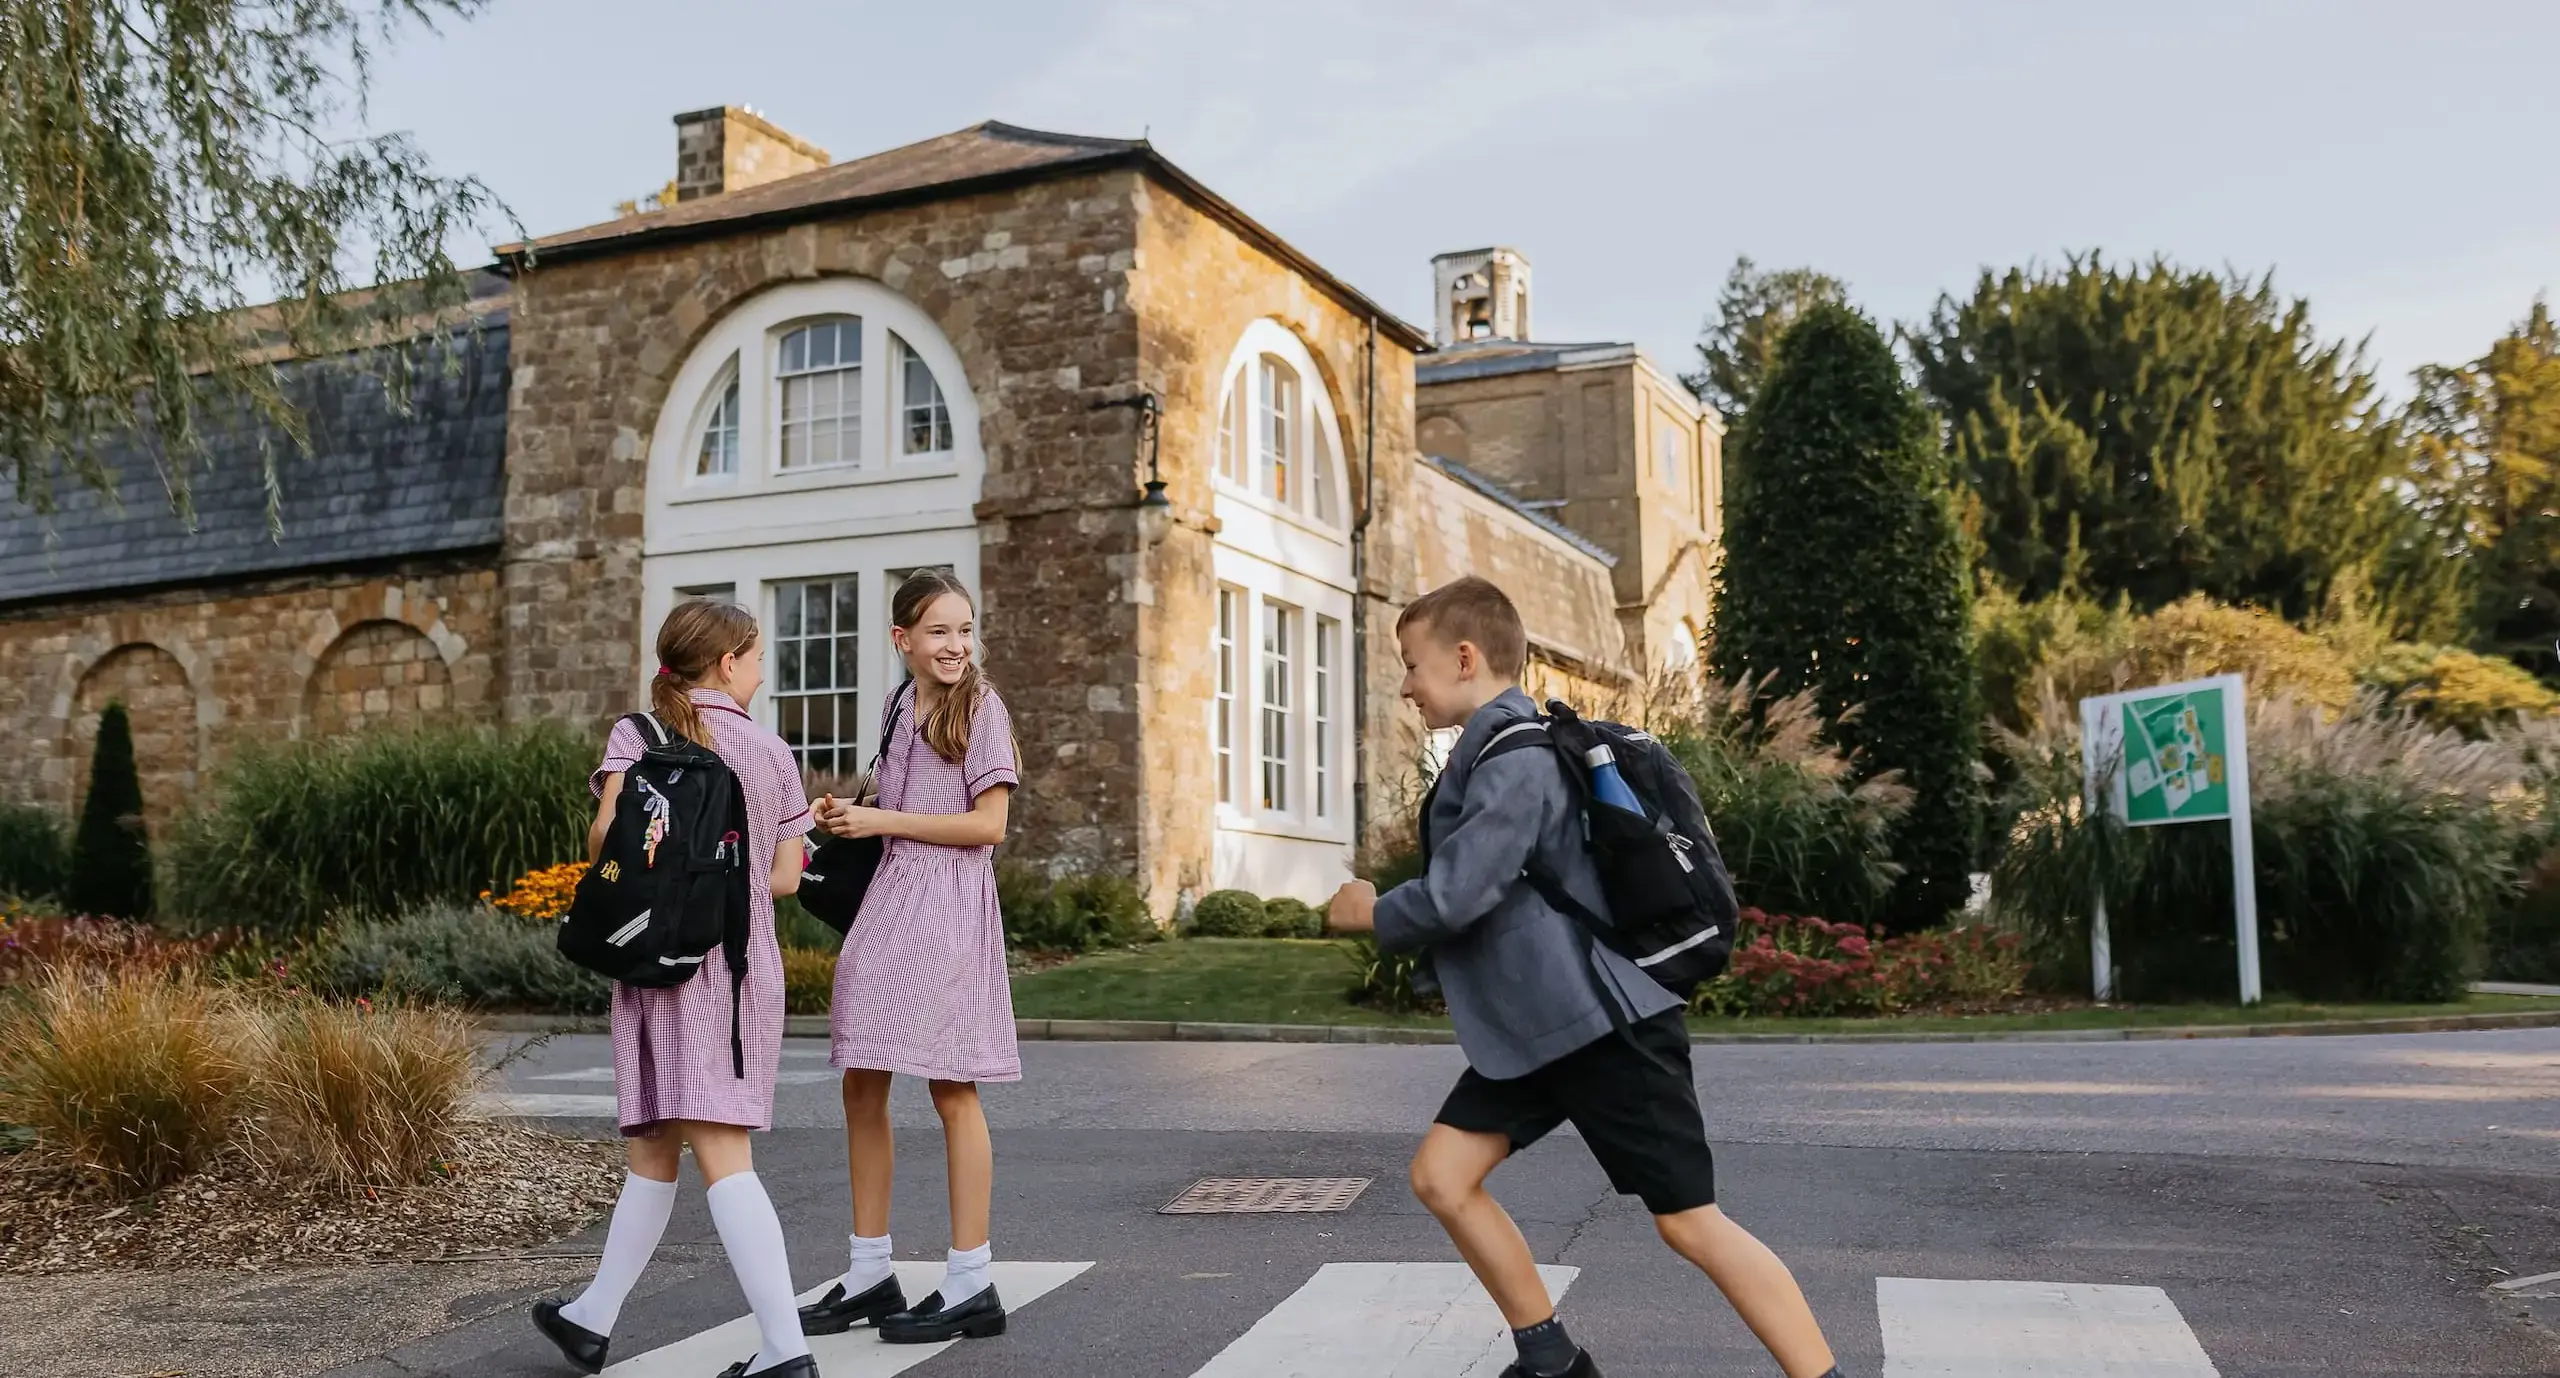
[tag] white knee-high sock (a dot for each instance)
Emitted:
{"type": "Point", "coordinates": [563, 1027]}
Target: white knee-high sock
{"type": "Point", "coordinates": [871, 1265]}
{"type": "Point", "coordinates": [964, 1273]}
{"type": "Point", "coordinates": [639, 1217]}
{"type": "Point", "coordinates": [752, 1234]}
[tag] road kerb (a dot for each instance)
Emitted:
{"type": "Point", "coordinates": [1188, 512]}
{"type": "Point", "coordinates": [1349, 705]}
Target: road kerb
{"type": "Point", "coordinates": [1187, 1031]}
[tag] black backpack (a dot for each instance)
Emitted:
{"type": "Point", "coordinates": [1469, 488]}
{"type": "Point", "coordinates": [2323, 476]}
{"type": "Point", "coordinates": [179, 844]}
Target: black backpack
{"type": "Point", "coordinates": [1672, 909]}
{"type": "Point", "coordinates": [671, 884]}
{"type": "Point", "coordinates": [838, 875]}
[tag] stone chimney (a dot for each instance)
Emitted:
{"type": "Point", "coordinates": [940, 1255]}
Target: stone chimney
{"type": "Point", "coordinates": [1480, 294]}
{"type": "Point", "coordinates": [731, 148]}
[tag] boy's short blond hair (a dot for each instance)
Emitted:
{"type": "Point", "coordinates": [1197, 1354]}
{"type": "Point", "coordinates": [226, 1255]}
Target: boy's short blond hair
{"type": "Point", "coordinates": [1475, 610]}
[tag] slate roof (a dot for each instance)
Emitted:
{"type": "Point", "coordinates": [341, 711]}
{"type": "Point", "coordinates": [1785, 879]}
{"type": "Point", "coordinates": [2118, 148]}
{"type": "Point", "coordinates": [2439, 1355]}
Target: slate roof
{"type": "Point", "coordinates": [1493, 358]}
{"type": "Point", "coordinates": [1521, 505]}
{"type": "Point", "coordinates": [376, 485]}
{"type": "Point", "coordinates": [983, 157]}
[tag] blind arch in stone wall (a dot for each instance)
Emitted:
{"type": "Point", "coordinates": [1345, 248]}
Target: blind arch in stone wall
{"type": "Point", "coordinates": [160, 701]}
{"type": "Point", "coordinates": [376, 673]}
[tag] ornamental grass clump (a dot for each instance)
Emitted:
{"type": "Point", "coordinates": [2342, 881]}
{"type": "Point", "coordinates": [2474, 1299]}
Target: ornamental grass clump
{"type": "Point", "coordinates": [360, 1094]}
{"type": "Point", "coordinates": [134, 1078]}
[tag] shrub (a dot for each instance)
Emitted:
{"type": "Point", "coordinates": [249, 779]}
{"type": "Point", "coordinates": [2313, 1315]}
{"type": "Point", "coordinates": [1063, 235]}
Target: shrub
{"type": "Point", "coordinates": [2382, 846]}
{"type": "Point", "coordinates": [35, 856]}
{"type": "Point", "coordinates": [462, 953]}
{"type": "Point", "coordinates": [2196, 637]}
{"type": "Point", "coordinates": [111, 854]}
{"type": "Point", "coordinates": [795, 926]}
{"type": "Point", "coordinates": [33, 944]}
{"type": "Point", "coordinates": [359, 1094]}
{"type": "Point", "coordinates": [1288, 918]}
{"type": "Point", "coordinates": [2457, 689]}
{"type": "Point", "coordinates": [1844, 574]}
{"type": "Point", "coordinates": [1077, 913]}
{"type": "Point", "coordinates": [1798, 830]}
{"type": "Point", "coordinates": [808, 979]}
{"type": "Point", "coordinates": [373, 825]}
{"type": "Point", "coordinates": [1785, 965]}
{"type": "Point", "coordinates": [1390, 866]}
{"type": "Point", "coordinates": [1228, 914]}
{"type": "Point", "coordinates": [134, 1077]}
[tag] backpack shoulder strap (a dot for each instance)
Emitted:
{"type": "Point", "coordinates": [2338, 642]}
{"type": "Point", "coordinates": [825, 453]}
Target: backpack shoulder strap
{"type": "Point", "coordinates": [651, 730]}
{"type": "Point", "coordinates": [1519, 736]}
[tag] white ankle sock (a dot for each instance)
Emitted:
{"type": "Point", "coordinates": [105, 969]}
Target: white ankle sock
{"type": "Point", "coordinates": [870, 1265]}
{"type": "Point", "coordinates": [752, 1234]}
{"type": "Point", "coordinates": [964, 1274]}
{"type": "Point", "coordinates": [639, 1217]}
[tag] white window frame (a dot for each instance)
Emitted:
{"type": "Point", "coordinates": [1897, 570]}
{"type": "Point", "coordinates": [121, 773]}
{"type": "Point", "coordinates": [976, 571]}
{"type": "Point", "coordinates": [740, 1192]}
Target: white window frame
{"type": "Point", "coordinates": [1224, 706]}
{"type": "Point", "coordinates": [844, 647]}
{"type": "Point", "coordinates": [1279, 703]}
{"type": "Point", "coordinates": [937, 409]}
{"type": "Point", "coordinates": [1252, 443]}
{"type": "Point", "coordinates": [848, 422]}
{"type": "Point", "coordinates": [722, 397]}
{"type": "Point", "coordinates": [1326, 652]}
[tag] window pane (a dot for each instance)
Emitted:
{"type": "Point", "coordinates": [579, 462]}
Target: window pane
{"type": "Point", "coordinates": [820, 394]}
{"type": "Point", "coordinates": [816, 679]}
{"type": "Point", "coordinates": [1222, 734]}
{"type": "Point", "coordinates": [1320, 460]}
{"type": "Point", "coordinates": [1279, 634]}
{"type": "Point", "coordinates": [925, 418]}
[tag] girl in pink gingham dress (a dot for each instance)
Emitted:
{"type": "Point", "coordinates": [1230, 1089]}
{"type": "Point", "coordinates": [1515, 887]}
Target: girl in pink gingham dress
{"type": "Point", "coordinates": [921, 988]}
{"type": "Point", "coordinates": [674, 1073]}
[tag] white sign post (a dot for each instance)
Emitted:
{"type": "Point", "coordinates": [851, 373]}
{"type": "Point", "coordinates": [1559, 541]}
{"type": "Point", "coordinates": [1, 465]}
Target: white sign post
{"type": "Point", "coordinates": [2175, 754]}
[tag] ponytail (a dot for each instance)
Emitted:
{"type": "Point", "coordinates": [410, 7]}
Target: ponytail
{"type": "Point", "coordinates": [946, 728]}
{"type": "Point", "coordinates": [691, 643]}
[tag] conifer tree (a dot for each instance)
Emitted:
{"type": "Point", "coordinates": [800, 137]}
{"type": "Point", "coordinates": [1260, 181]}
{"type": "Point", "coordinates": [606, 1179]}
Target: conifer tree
{"type": "Point", "coordinates": [1845, 573]}
{"type": "Point", "coordinates": [111, 854]}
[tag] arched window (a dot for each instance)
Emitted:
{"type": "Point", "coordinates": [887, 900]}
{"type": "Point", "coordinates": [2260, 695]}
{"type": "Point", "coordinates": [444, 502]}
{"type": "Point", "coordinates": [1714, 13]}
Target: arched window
{"type": "Point", "coordinates": [1275, 432]}
{"type": "Point", "coordinates": [819, 440]}
{"type": "Point", "coordinates": [715, 455]}
{"type": "Point", "coordinates": [1278, 736]}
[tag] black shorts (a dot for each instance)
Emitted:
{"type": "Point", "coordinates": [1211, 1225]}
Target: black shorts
{"type": "Point", "coordinates": [1640, 1117]}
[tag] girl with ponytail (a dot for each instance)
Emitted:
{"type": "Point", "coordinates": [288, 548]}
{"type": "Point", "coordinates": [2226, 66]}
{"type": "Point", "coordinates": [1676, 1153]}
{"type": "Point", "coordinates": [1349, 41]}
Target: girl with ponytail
{"type": "Point", "coordinates": [920, 983]}
{"type": "Point", "coordinates": [673, 1068]}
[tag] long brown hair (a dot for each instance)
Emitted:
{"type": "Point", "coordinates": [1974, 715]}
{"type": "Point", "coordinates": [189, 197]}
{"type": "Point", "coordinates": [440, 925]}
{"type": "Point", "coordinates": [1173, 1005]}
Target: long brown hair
{"type": "Point", "coordinates": [691, 643]}
{"type": "Point", "coordinates": [946, 728]}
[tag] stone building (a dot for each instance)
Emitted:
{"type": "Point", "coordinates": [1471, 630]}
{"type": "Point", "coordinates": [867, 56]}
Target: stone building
{"type": "Point", "coordinates": [1597, 435]}
{"type": "Point", "coordinates": [1176, 457]}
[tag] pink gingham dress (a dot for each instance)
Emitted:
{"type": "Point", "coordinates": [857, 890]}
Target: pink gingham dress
{"type": "Point", "coordinates": [671, 1045]}
{"type": "Point", "coordinates": [920, 985]}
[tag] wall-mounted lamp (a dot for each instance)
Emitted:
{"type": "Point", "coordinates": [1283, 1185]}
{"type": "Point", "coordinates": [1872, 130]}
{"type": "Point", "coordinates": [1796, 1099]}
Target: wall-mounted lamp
{"type": "Point", "coordinates": [1151, 433]}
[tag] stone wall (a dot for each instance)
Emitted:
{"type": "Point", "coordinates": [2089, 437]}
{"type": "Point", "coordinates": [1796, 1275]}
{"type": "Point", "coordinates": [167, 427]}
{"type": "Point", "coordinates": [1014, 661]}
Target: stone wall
{"type": "Point", "coordinates": [1031, 287]}
{"type": "Point", "coordinates": [202, 672]}
{"type": "Point", "coordinates": [1197, 287]}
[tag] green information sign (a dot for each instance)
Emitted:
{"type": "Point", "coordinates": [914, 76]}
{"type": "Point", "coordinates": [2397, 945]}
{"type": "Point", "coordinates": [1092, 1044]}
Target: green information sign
{"type": "Point", "coordinates": [2176, 758]}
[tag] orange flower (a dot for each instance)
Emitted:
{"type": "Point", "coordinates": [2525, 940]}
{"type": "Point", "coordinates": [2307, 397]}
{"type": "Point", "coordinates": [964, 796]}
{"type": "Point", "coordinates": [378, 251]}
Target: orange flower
{"type": "Point", "coordinates": [542, 894]}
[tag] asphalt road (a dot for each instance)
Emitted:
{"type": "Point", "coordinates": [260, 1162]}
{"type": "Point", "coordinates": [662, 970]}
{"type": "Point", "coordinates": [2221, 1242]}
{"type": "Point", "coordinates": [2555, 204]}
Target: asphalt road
{"type": "Point", "coordinates": [2330, 1205]}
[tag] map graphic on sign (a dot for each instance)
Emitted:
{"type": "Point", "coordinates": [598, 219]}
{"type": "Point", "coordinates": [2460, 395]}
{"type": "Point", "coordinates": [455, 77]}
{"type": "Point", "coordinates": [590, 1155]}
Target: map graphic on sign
{"type": "Point", "coordinates": [2174, 766]}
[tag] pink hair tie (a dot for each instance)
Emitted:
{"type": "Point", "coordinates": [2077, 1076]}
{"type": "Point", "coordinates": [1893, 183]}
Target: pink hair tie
{"type": "Point", "coordinates": [663, 670]}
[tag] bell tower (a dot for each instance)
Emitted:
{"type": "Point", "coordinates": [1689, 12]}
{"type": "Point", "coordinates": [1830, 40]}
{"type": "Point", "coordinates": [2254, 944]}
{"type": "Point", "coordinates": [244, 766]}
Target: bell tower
{"type": "Point", "coordinates": [1480, 294]}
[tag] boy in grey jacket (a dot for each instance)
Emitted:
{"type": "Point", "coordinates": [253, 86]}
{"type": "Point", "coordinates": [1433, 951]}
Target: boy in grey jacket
{"type": "Point", "coordinates": [1541, 1048]}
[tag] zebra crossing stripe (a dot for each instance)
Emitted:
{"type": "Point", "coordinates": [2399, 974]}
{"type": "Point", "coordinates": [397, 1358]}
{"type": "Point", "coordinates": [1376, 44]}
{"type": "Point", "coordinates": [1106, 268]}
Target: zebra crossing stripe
{"type": "Point", "coordinates": [1937, 1328]}
{"type": "Point", "coordinates": [856, 1353]}
{"type": "Point", "coordinates": [1380, 1320]}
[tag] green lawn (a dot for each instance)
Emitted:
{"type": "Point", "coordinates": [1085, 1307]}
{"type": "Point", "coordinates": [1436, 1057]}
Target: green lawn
{"type": "Point", "coordinates": [1271, 981]}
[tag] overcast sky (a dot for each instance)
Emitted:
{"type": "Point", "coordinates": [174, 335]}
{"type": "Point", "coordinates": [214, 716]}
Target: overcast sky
{"type": "Point", "coordinates": [2397, 163]}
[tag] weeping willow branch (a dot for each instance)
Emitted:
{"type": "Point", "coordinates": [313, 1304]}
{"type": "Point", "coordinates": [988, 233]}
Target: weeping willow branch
{"type": "Point", "coordinates": [181, 212]}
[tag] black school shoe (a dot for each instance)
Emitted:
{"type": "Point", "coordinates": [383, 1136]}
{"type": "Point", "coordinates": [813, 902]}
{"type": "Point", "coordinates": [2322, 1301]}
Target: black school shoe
{"type": "Point", "coordinates": [579, 1345]}
{"type": "Point", "coordinates": [1582, 1368]}
{"type": "Point", "coordinates": [978, 1318]}
{"type": "Point", "coordinates": [836, 1313]}
{"type": "Point", "coordinates": [806, 1366]}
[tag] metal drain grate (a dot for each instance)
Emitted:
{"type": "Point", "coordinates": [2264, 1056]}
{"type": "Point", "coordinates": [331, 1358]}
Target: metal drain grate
{"type": "Point", "coordinates": [1244, 1195]}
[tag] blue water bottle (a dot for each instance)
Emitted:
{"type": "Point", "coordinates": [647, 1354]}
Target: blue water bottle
{"type": "Point", "coordinates": [1607, 785]}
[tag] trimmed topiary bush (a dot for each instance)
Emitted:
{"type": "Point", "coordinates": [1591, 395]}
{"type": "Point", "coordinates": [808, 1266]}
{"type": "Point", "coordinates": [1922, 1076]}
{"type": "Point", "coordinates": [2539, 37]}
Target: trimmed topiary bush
{"type": "Point", "coordinates": [375, 825]}
{"type": "Point", "coordinates": [35, 854]}
{"type": "Point", "coordinates": [111, 854]}
{"type": "Point", "coordinates": [1228, 914]}
{"type": "Point", "coordinates": [1288, 918]}
{"type": "Point", "coordinates": [1844, 573]}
